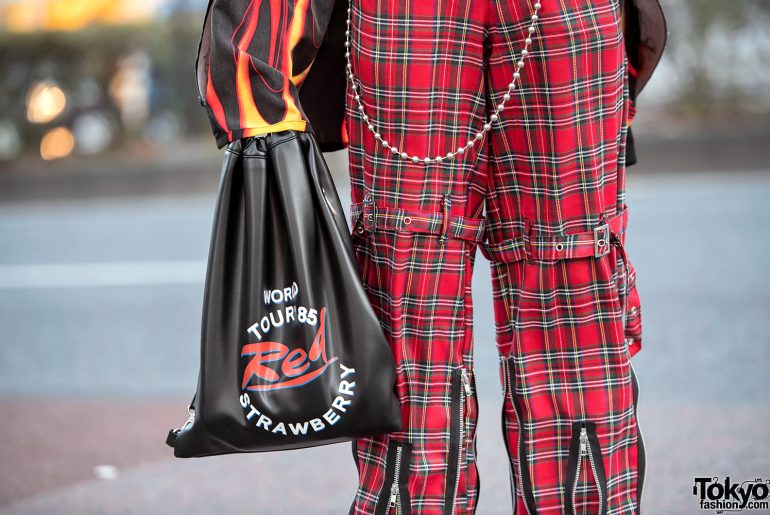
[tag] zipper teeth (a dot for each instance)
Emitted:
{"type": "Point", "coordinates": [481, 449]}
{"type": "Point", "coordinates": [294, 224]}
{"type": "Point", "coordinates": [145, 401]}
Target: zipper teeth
{"type": "Point", "coordinates": [520, 432]}
{"type": "Point", "coordinates": [462, 437]}
{"type": "Point", "coordinates": [581, 453]}
{"type": "Point", "coordinates": [512, 479]}
{"type": "Point", "coordinates": [644, 473]}
{"type": "Point", "coordinates": [475, 447]}
{"type": "Point", "coordinates": [596, 477]}
{"type": "Point", "coordinates": [641, 440]}
{"type": "Point", "coordinates": [394, 485]}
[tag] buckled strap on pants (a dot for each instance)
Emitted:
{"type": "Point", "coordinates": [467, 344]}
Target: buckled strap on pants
{"type": "Point", "coordinates": [594, 243]}
{"type": "Point", "coordinates": [367, 216]}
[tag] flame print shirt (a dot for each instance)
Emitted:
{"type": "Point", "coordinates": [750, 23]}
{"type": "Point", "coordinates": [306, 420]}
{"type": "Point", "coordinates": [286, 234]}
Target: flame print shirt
{"type": "Point", "coordinates": [256, 63]}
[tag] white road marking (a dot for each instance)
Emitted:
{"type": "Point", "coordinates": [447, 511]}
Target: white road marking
{"type": "Point", "coordinates": [117, 273]}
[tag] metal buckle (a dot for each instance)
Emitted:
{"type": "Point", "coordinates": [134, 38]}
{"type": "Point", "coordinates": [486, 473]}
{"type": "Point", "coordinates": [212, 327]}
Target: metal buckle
{"type": "Point", "coordinates": [602, 240]}
{"type": "Point", "coordinates": [368, 213]}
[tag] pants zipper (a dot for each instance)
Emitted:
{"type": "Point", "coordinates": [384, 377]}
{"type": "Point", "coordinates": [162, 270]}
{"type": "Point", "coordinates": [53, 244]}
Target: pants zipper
{"type": "Point", "coordinates": [584, 441]}
{"type": "Point", "coordinates": [525, 485]}
{"type": "Point", "coordinates": [394, 485]}
{"type": "Point", "coordinates": [583, 452]}
{"type": "Point", "coordinates": [512, 466]}
{"type": "Point", "coordinates": [396, 463]}
{"type": "Point", "coordinates": [641, 450]}
{"type": "Point", "coordinates": [465, 391]}
{"type": "Point", "coordinates": [475, 447]}
{"type": "Point", "coordinates": [587, 448]}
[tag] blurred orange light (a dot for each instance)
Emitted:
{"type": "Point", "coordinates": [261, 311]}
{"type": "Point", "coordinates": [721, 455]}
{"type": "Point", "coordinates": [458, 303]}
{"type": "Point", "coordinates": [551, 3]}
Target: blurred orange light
{"type": "Point", "coordinates": [45, 101]}
{"type": "Point", "coordinates": [26, 15]}
{"type": "Point", "coordinates": [57, 143]}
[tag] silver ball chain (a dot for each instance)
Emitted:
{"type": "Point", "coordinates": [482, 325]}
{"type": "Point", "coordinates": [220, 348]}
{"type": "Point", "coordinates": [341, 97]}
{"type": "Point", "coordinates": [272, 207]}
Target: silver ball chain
{"type": "Point", "coordinates": [479, 135]}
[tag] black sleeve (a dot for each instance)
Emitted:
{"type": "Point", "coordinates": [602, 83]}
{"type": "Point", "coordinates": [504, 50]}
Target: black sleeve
{"type": "Point", "coordinates": [322, 93]}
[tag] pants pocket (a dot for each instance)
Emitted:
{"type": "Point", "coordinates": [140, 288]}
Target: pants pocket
{"type": "Point", "coordinates": [394, 495]}
{"type": "Point", "coordinates": [586, 480]}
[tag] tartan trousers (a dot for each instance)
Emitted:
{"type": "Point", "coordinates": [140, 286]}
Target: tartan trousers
{"type": "Point", "coordinates": [542, 196]}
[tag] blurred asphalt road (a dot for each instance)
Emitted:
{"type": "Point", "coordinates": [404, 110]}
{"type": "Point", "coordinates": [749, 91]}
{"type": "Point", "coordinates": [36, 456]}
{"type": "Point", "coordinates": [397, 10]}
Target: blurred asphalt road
{"type": "Point", "coordinates": [100, 302]}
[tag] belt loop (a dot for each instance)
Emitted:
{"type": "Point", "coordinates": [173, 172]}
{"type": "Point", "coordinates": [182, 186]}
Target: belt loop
{"type": "Point", "coordinates": [615, 239]}
{"type": "Point", "coordinates": [446, 203]}
{"type": "Point", "coordinates": [623, 294]}
{"type": "Point", "coordinates": [618, 224]}
{"type": "Point", "coordinates": [481, 235]}
{"type": "Point", "coordinates": [526, 237]}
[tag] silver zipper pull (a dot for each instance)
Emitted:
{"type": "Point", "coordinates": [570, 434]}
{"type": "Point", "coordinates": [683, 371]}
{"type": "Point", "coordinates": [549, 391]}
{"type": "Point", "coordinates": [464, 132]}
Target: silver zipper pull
{"type": "Point", "coordinates": [583, 441]}
{"type": "Point", "coordinates": [393, 494]}
{"type": "Point", "coordinates": [466, 382]}
{"type": "Point", "coordinates": [396, 474]}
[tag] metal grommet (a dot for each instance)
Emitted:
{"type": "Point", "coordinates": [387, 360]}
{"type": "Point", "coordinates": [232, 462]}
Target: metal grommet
{"type": "Point", "coordinates": [601, 243]}
{"type": "Point", "coordinates": [559, 247]}
{"type": "Point", "coordinates": [370, 217]}
{"type": "Point", "coordinates": [407, 220]}
{"type": "Point", "coordinates": [633, 310]}
{"type": "Point", "coordinates": [360, 229]}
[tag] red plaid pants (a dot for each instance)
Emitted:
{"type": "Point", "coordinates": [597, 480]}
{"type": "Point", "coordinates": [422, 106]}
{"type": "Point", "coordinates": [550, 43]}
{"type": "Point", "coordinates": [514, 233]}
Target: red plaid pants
{"type": "Point", "coordinates": [542, 195]}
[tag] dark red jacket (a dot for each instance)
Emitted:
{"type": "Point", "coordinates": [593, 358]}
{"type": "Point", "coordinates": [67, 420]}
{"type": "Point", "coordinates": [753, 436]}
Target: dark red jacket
{"type": "Point", "coordinates": [268, 66]}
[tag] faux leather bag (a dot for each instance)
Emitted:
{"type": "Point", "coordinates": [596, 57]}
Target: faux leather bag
{"type": "Point", "coordinates": [292, 354]}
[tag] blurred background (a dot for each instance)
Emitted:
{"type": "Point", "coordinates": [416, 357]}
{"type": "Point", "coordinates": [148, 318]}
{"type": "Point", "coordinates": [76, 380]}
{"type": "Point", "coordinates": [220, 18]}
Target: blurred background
{"type": "Point", "coordinates": [104, 237]}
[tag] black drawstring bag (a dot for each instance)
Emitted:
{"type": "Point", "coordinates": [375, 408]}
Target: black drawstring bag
{"type": "Point", "coordinates": [292, 354]}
